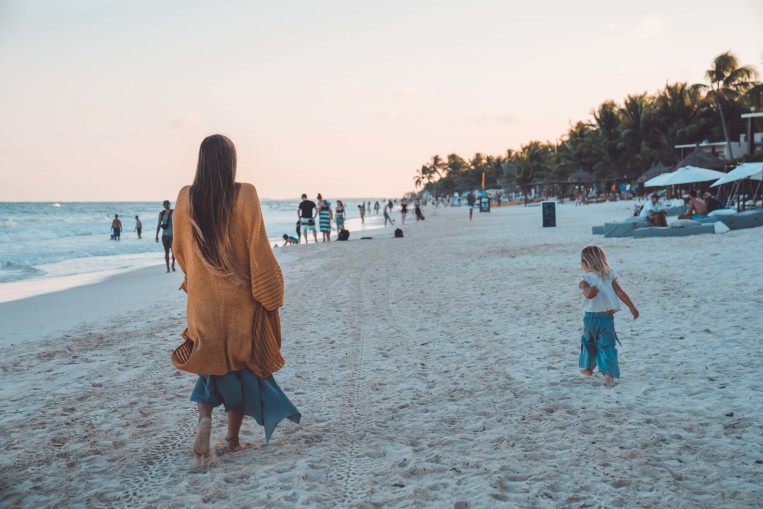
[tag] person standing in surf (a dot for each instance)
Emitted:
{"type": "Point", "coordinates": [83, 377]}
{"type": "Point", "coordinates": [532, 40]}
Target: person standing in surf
{"type": "Point", "coordinates": [165, 225]}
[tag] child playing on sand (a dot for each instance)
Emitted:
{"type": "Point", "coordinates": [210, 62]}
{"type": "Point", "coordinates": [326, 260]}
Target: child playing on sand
{"type": "Point", "coordinates": [601, 290]}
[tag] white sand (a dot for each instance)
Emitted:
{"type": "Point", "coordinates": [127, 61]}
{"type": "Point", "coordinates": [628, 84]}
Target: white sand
{"type": "Point", "coordinates": [438, 370]}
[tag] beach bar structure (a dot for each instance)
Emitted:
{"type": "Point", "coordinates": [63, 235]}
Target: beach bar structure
{"type": "Point", "coordinates": [748, 143]}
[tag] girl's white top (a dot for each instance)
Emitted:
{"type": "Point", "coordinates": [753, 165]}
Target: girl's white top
{"type": "Point", "coordinates": [606, 299]}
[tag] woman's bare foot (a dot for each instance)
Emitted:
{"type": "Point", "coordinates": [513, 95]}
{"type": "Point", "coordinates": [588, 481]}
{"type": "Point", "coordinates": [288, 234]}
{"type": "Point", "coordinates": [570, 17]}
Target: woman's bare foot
{"type": "Point", "coordinates": [201, 444]}
{"type": "Point", "coordinates": [233, 444]}
{"type": "Point", "coordinates": [609, 381]}
{"type": "Point", "coordinates": [587, 372]}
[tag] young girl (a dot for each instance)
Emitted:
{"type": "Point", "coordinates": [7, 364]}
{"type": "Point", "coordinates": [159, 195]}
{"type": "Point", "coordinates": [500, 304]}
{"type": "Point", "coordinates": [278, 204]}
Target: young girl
{"type": "Point", "coordinates": [601, 290]}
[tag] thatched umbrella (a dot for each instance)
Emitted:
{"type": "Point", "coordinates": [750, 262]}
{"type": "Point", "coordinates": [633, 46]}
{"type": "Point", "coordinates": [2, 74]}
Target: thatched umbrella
{"type": "Point", "coordinates": [579, 176]}
{"type": "Point", "coordinates": [702, 160]}
{"type": "Point", "coordinates": [657, 169]}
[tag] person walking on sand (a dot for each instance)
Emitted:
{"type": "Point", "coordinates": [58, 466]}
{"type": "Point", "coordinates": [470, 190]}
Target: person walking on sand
{"type": "Point", "coordinates": [387, 217]}
{"type": "Point", "coordinates": [376, 208]}
{"type": "Point", "coordinates": [325, 216]}
{"type": "Point", "coordinates": [471, 199]}
{"type": "Point", "coordinates": [417, 210]}
{"type": "Point", "coordinates": [306, 214]}
{"type": "Point", "coordinates": [116, 227]}
{"type": "Point", "coordinates": [165, 224]}
{"type": "Point", "coordinates": [403, 210]}
{"type": "Point", "coordinates": [138, 226]}
{"type": "Point", "coordinates": [601, 291]}
{"type": "Point", "coordinates": [235, 287]}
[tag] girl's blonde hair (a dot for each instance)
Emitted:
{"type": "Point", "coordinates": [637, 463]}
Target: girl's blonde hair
{"type": "Point", "coordinates": [594, 259]}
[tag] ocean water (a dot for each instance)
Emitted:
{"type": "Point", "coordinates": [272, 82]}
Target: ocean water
{"type": "Point", "coordinates": [43, 240]}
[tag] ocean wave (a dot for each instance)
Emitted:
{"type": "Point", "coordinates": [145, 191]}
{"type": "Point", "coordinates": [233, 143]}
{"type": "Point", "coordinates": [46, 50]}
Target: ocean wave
{"type": "Point", "coordinates": [38, 239]}
{"type": "Point", "coordinates": [10, 271]}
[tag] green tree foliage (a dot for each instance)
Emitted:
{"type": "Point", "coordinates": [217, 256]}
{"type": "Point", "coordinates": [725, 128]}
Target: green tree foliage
{"type": "Point", "coordinates": [728, 84]}
{"type": "Point", "coordinates": [532, 164]}
{"type": "Point", "coordinates": [621, 140]}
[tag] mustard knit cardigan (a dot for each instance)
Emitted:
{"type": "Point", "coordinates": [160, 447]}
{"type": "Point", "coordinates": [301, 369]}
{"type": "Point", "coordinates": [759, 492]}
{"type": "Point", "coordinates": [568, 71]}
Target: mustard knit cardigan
{"type": "Point", "coordinates": [230, 326]}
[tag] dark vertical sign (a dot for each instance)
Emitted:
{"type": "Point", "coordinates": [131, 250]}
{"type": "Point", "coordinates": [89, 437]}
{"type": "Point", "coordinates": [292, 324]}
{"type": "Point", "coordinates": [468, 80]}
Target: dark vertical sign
{"type": "Point", "coordinates": [549, 213]}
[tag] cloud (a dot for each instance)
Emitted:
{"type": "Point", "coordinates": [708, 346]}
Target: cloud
{"type": "Point", "coordinates": [406, 92]}
{"type": "Point", "coordinates": [475, 116]}
{"type": "Point", "coordinates": [188, 119]}
{"type": "Point", "coordinates": [87, 105]}
{"type": "Point", "coordinates": [610, 27]}
{"type": "Point", "coordinates": [649, 28]}
{"type": "Point", "coordinates": [515, 118]}
{"type": "Point", "coordinates": [393, 115]}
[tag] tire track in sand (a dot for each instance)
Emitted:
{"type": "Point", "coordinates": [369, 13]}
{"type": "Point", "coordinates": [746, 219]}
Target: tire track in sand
{"type": "Point", "coordinates": [351, 464]}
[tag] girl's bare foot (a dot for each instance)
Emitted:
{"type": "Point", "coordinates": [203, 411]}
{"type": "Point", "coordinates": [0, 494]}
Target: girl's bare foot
{"type": "Point", "coordinates": [201, 444]}
{"type": "Point", "coordinates": [233, 444]}
{"type": "Point", "coordinates": [587, 372]}
{"type": "Point", "coordinates": [609, 381]}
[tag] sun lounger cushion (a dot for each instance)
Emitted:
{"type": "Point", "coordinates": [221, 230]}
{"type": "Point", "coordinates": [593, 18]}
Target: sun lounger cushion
{"type": "Point", "coordinates": [674, 211]}
{"type": "Point", "coordinates": [722, 212]}
{"type": "Point", "coordinates": [619, 229]}
{"type": "Point", "coordinates": [746, 219]}
{"type": "Point", "coordinates": [683, 223]}
{"type": "Point", "coordinates": [641, 233]}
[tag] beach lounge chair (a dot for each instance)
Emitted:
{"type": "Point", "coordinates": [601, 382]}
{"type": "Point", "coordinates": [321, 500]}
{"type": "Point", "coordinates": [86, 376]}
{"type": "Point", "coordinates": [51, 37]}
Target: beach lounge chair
{"type": "Point", "coordinates": [680, 228]}
{"type": "Point", "coordinates": [624, 228]}
{"type": "Point", "coordinates": [745, 219]}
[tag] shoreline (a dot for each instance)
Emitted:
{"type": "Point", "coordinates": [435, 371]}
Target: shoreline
{"type": "Point", "coordinates": [26, 288]}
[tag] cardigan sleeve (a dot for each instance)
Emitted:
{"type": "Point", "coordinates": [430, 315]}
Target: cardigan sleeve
{"type": "Point", "coordinates": [266, 277]}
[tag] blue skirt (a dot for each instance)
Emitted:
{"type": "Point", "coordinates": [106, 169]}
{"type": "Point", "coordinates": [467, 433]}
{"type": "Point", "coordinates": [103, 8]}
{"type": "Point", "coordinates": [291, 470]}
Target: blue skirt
{"type": "Point", "coordinates": [243, 391]}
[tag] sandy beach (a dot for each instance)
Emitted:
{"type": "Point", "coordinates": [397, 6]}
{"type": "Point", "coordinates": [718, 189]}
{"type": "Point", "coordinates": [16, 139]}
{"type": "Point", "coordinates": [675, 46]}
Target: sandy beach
{"type": "Point", "coordinates": [436, 370]}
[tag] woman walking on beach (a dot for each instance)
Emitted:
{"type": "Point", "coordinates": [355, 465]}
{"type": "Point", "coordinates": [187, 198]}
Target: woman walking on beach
{"type": "Point", "coordinates": [417, 210]}
{"type": "Point", "coordinates": [340, 215]}
{"type": "Point", "coordinates": [325, 216]}
{"type": "Point", "coordinates": [601, 290]}
{"type": "Point", "coordinates": [403, 210]}
{"type": "Point", "coordinates": [234, 287]}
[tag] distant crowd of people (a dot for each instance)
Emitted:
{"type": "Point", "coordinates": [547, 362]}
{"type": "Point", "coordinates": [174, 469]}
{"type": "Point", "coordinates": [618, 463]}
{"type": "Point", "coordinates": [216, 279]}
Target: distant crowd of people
{"type": "Point", "coordinates": [696, 208]}
{"type": "Point", "coordinates": [320, 216]}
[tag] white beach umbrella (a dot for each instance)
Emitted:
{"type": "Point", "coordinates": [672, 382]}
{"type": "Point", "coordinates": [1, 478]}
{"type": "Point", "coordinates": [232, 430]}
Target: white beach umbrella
{"type": "Point", "coordinates": [657, 181]}
{"type": "Point", "coordinates": [743, 171]}
{"type": "Point", "coordinates": [690, 175]}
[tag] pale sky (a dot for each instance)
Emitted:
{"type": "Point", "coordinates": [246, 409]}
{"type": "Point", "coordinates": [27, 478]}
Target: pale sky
{"type": "Point", "coordinates": [106, 100]}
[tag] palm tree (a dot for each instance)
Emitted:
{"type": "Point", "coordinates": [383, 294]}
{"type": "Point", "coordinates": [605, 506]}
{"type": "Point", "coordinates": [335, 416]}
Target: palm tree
{"type": "Point", "coordinates": [636, 125]}
{"type": "Point", "coordinates": [421, 176]}
{"type": "Point", "coordinates": [477, 165]}
{"type": "Point", "coordinates": [531, 162]}
{"type": "Point", "coordinates": [728, 84]}
{"type": "Point", "coordinates": [436, 165]}
{"type": "Point", "coordinates": [580, 149]}
{"type": "Point", "coordinates": [608, 130]}
{"type": "Point", "coordinates": [456, 169]}
{"type": "Point", "coordinates": [680, 116]}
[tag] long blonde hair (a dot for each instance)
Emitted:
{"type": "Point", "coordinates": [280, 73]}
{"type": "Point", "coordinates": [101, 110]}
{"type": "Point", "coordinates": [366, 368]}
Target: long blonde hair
{"type": "Point", "coordinates": [212, 196]}
{"type": "Point", "coordinates": [594, 259]}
